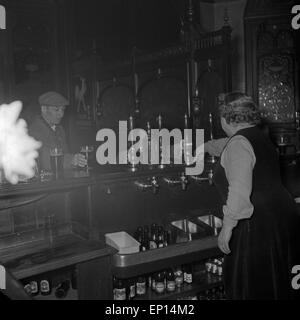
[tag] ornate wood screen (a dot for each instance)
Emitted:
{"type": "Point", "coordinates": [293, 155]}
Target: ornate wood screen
{"type": "Point", "coordinates": [163, 82]}
{"type": "Point", "coordinates": [272, 66]}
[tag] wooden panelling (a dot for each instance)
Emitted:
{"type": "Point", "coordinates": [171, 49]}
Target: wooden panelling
{"type": "Point", "coordinates": [92, 284]}
{"type": "Point", "coordinates": [124, 207]}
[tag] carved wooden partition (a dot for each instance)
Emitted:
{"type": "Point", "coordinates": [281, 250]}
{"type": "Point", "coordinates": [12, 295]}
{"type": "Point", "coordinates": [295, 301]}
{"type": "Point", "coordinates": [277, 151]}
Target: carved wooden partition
{"type": "Point", "coordinates": [166, 82]}
{"type": "Point", "coordinates": [155, 88]}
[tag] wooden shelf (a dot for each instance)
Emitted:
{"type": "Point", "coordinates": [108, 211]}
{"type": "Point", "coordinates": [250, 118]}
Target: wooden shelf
{"type": "Point", "coordinates": [37, 257]}
{"type": "Point", "coordinates": [202, 282]}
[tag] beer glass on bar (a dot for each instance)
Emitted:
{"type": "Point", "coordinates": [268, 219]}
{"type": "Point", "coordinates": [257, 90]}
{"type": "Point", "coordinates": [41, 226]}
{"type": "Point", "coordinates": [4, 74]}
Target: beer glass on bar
{"type": "Point", "coordinates": [57, 162]}
{"type": "Point", "coordinates": [87, 152]}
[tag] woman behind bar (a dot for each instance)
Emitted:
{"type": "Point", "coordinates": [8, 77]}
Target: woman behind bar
{"type": "Point", "coordinates": [258, 210]}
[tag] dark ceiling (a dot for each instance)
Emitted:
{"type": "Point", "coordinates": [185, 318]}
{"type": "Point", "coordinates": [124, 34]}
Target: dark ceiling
{"type": "Point", "coordinates": [118, 25]}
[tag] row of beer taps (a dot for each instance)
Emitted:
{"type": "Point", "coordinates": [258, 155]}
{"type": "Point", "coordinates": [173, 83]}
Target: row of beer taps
{"type": "Point", "coordinates": [183, 181]}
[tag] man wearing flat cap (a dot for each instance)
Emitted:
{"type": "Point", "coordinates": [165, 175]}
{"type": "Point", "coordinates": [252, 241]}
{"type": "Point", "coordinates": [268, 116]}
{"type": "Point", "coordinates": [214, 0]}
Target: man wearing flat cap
{"type": "Point", "coordinates": [47, 129]}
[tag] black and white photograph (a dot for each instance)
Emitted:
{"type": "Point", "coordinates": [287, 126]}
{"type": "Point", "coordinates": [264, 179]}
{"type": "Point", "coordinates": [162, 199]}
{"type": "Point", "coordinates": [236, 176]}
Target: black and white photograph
{"type": "Point", "coordinates": [150, 153]}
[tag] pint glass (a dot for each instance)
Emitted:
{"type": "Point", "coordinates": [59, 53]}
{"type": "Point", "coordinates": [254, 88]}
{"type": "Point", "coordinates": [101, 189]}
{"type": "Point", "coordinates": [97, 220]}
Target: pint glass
{"type": "Point", "coordinates": [87, 151]}
{"type": "Point", "coordinates": [57, 163]}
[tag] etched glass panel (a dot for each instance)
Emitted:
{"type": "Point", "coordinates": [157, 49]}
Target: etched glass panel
{"type": "Point", "coordinates": [276, 88]}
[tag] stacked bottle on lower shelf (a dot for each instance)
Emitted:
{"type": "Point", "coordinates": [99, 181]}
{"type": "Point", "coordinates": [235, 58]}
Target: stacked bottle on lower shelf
{"type": "Point", "coordinates": [215, 266]}
{"type": "Point", "coordinates": [44, 285]}
{"type": "Point", "coordinates": [217, 293]}
{"type": "Point", "coordinates": [173, 280]}
{"type": "Point", "coordinates": [166, 281]}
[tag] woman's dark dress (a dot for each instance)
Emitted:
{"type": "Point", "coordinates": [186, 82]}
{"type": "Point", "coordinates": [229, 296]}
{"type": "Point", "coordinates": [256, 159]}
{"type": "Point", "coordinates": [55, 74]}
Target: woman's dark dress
{"type": "Point", "coordinates": [259, 266]}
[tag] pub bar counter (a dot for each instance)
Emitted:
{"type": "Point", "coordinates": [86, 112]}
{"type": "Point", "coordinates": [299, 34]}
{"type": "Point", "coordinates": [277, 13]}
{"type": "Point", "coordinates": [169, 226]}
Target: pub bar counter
{"type": "Point", "coordinates": [170, 72]}
{"type": "Point", "coordinates": [85, 209]}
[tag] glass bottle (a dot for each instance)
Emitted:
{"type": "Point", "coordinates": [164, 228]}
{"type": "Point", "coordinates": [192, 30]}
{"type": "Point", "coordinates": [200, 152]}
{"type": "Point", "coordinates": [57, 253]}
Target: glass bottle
{"type": "Point", "coordinates": [34, 287]}
{"type": "Point", "coordinates": [153, 237]}
{"type": "Point", "coordinates": [160, 239]}
{"type": "Point", "coordinates": [131, 290]}
{"type": "Point", "coordinates": [138, 234]}
{"type": "Point", "coordinates": [166, 238]}
{"type": "Point", "coordinates": [145, 243]}
{"type": "Point", "coordinates": [179, 280]}
{"type": "Point", "coordinates": [114, 287]}
{"type": "Point", "coordinates": [188, 274]}
{"type": "Point", "coordinates": [141, 286]}
{"type": "Point", "coordinates": [146, 231]}
{"type": "Point", "coordinates": [62, 289]}
{"type": "Point", "coordinates": [153, 281]}
{"type": "Point", "coordinates": [27, 288]}
{"type": "Point", "coordinates": [160, 283]}
{"type": "Point", "coordinates": [171, 284]}
{"type": "Point", "coordinates": [45, 287]}
{"type": "Point", "coordinates": [120, 290]}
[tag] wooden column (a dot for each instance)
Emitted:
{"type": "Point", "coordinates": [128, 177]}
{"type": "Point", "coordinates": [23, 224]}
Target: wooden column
{"type": "Point", "coordinates": [95, 279]}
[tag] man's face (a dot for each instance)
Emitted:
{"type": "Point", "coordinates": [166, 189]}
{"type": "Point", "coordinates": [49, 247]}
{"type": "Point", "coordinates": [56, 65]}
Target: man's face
{"type": "Point", "coordinates": [53, 115]}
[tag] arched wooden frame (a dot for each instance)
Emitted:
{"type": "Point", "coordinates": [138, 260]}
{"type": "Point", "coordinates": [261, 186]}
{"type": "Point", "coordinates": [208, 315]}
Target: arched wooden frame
{"type": "Point", "coordinates": [107, 88]}
{"type": "Point", "coordinates": [152, 119]}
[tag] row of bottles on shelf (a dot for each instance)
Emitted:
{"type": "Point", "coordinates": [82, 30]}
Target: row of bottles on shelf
{"type": "Point", "coordinates": [216, 293]}
{"type": "Point", "coordinates": [215, 266]}
{"type": "Point", "coordinates": [152, 238]}
{"type": "Point", "coordinates": [45, 286]}
{"type": "Point", "coordinates": [166, 281]}
{"type": "Point", "coordinates": [170, 280]}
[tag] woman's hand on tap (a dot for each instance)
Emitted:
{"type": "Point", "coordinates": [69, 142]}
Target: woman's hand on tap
{"type": "Point", "coordinates": [79, 160]}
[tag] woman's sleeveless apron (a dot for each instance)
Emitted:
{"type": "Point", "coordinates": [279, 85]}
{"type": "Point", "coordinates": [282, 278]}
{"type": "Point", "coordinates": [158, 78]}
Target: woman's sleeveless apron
{"type": "Point", "coordinates": [259, 266]}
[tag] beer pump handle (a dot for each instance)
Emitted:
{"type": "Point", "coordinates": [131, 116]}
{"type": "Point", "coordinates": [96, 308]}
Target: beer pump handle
{"type": "Point", "coordinates": [131, 123]}
{"type": "Point", "coordinates": [160, 122]}
{"type": "Point", "coordinates": [186, 121]}
{"type": "Point", "coordinates": [131, 127]}
{"type": "Point", "coordinates": [211, 127]}
{"type": "Point", "coordinates": [148, 127]}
